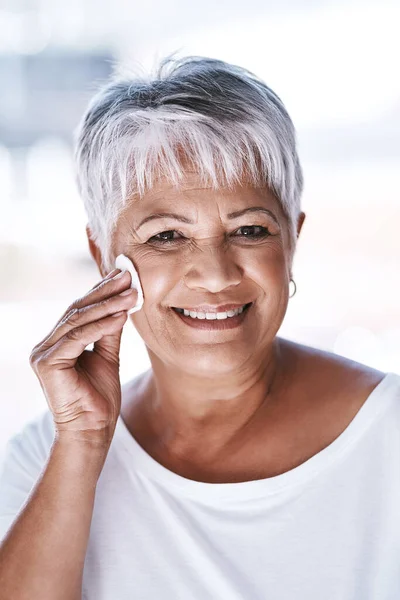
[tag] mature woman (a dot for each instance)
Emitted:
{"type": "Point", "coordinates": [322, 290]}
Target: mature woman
{"type": "Point", "coordinates": [241, 465]}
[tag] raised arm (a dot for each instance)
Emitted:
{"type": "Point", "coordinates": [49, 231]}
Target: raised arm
{"type": "Point", "coordinates": [42, 555]}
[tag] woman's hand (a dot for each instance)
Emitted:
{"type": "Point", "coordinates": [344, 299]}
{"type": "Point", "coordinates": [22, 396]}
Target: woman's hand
{"type": "Point", "coordinates": [82, 387]}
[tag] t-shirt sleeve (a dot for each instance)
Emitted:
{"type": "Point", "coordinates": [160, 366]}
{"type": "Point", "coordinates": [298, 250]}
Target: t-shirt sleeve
{"type": "Point", "coordinates": [24, 459]}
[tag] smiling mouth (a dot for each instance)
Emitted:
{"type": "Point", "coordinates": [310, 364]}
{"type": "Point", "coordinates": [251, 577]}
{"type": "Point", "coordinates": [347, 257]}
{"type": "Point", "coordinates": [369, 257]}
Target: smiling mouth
{"type": "Point", "coordinates": [212, 316]}
{"type": "Point", "coordinates": [214, 323]}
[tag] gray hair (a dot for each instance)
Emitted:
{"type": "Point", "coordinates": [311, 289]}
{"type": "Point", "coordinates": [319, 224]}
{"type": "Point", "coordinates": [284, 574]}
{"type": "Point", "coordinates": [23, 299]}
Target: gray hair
{"type": "Point", "coordinates": [221, 117]}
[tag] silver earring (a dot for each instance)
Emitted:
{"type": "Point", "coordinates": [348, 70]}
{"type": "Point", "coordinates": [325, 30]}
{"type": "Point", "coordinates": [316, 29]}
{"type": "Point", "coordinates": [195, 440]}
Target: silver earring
{"type": "Point", "coordinates": [295, 288]}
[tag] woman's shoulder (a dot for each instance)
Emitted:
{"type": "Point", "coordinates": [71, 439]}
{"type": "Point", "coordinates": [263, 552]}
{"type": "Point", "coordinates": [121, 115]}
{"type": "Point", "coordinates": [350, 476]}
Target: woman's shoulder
{"type": "Point", "coordinates": [331, 388]}
{"type": "Point", "coordinates": [326, 371]}
{"type": "Point", "coordinates": [35, 436]}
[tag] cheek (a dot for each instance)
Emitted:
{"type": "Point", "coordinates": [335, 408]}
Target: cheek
{"type": "Point", "coordinates": [266, 268]}
{"type": "Point", "coordinates": [160, 274]}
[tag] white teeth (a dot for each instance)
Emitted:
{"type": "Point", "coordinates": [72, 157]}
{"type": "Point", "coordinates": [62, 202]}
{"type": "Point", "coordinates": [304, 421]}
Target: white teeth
{"type": "Point", "coordinates": [212, 316]}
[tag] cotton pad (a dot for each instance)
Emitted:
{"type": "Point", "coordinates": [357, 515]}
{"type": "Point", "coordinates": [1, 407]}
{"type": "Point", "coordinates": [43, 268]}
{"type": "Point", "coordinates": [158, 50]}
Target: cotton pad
{"type": "Point", "coordinates": [123, 262]}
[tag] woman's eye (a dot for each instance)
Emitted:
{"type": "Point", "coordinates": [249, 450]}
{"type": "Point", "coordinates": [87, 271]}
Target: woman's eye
{"type": "Point", "coordinates": [263, 233]}
{"type": "Point", "coordinates": [166, 237]}
{"type": "Point", "coordinates": [163, 240]}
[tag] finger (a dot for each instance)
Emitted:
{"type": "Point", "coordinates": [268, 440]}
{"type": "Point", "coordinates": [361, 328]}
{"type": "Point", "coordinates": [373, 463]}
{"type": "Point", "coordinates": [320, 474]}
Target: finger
{"type": "Point", "coordinates": [78, 317]}
{"type": "Point", "coordinates": [109, 276]}
{"type": "Point", "coordinates": [65, 352]}
{"type": "Point", "coordinates": [107, 288]}
{"type": "Point", "coordinates": [109, 345]}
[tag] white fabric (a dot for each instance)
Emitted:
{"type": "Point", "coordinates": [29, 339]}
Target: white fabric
{"type": "Point", "coordinates": [327, 529]}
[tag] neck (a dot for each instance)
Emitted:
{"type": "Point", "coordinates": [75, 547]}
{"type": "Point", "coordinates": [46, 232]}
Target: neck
{"type": "Point", "coordinates": [187, 415]}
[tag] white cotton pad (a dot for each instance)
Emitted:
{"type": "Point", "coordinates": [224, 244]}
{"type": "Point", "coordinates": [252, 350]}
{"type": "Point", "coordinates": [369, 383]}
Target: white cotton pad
{"type": "Point", "coordinates": [123, 262]}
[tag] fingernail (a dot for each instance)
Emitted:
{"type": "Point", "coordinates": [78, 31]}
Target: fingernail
{"type": "Point", "coordinates": [110, 274]}
{"type": "Point", "coordinates": [120, 274]}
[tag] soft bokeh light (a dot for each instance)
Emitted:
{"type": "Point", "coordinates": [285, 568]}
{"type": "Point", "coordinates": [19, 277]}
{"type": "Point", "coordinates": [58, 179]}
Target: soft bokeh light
{"type": "Point", "coordinates": [334, 65]}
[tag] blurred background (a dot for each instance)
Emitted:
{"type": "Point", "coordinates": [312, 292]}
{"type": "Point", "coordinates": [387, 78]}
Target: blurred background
{"type": "Point", "coordinates": [335, 66]}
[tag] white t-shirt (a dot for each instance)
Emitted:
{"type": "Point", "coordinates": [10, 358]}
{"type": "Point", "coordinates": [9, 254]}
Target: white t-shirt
{"type": "Point", "coordinates": [328, 529]}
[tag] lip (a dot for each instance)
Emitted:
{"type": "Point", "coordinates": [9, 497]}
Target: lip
{"type": "Point", "coordinates": [215, 324]}
{"type": "Point", "coordinates": [206, 308]}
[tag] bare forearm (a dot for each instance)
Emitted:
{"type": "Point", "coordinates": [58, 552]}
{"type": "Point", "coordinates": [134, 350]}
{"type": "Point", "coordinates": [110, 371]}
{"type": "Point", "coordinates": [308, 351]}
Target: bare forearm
{"type": "Point", "coordinates": [42, 556]}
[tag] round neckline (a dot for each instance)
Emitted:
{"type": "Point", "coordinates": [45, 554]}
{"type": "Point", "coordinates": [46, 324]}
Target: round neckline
{"type": "Point", "coordinates": [140, 460]}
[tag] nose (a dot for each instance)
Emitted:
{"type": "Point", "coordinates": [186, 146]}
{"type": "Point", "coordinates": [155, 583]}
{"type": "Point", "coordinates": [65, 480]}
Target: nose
{"type": "Point", "coordinates": [212, 267]}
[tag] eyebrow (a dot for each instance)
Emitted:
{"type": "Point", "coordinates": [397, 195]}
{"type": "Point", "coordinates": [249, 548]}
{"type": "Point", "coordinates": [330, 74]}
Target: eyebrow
{"type": "Point", "coordinates": [232, 215]}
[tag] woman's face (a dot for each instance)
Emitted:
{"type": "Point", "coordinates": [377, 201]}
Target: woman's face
{"type": "Point", "coordinates": [214, 260]}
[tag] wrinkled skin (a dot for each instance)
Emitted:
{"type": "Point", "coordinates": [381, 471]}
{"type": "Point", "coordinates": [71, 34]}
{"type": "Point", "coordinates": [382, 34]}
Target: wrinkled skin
{"type": "Point", "coordinates": [210, 383]}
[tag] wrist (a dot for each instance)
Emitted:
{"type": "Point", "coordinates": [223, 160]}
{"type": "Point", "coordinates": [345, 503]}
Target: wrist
{"type": "Point", "coordinates": [80, 455]}
{"type": "Point", "coordinates": [96, 440]}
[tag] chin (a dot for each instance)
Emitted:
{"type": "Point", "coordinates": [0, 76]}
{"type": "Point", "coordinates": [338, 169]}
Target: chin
{"type": "Point", "coordinates": [215, 361]}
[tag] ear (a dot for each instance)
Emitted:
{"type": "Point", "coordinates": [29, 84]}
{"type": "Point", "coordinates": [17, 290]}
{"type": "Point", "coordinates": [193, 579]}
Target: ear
{"type": "Point", "coordinates": [300, 221]}
{"type": "Point", "coordinates": [95, 251]}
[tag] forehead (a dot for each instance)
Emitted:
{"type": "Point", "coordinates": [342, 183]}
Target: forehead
{"type": "Point", "coordinates": [193, 192]}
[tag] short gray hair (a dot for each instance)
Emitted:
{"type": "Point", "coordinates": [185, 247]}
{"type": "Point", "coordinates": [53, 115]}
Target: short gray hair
{"type": "Point", "coordinates": [221, 117]}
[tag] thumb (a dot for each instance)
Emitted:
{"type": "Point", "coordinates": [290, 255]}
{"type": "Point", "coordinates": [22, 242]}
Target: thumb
{"type": "Point", "coordinates": [108, 347]}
